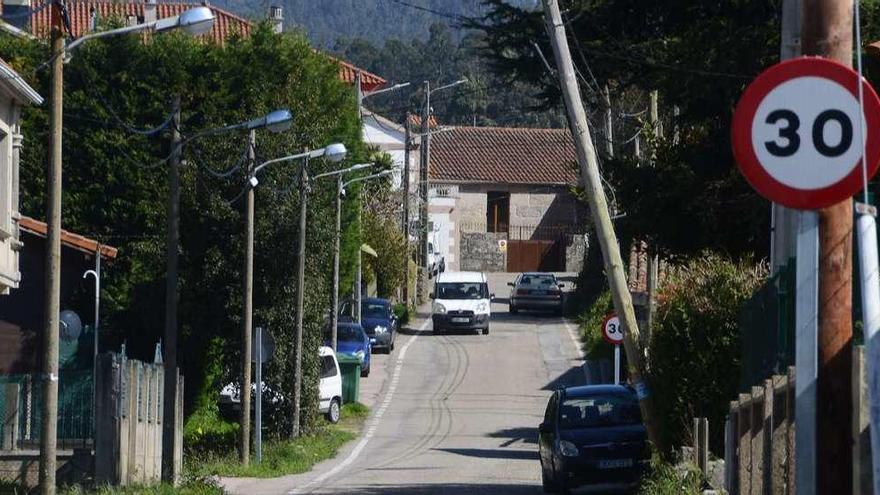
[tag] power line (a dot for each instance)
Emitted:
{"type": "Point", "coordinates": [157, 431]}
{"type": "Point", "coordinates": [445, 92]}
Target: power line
{"type": "Point", "coordinates": [448, 15]}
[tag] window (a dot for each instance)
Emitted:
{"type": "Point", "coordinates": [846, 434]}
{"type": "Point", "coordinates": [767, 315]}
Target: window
{"type": "Point", "coordinates": [604, 410]}
{"type": "Point", "coordinates": [328, 367]}
{"type": "Point", "coordinates": [497, 211]}
{"type": "Point", "coordinates": [462, 290]}
{"type": "Point", "coordinates": [375, 310]}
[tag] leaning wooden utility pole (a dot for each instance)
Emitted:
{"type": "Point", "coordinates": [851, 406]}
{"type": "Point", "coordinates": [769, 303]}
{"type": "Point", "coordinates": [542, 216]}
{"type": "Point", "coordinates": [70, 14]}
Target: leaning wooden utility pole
{"type": "Point", "coordinates": [653, 258]}
{"type": "Point", "coordinates": [592, 183]}
{"type": "Point", "coordinates": [49, 417]}
{"type": "Point", "coordinates": [406, 165]}
{"type": "Point", "coordinates": [827, 32]}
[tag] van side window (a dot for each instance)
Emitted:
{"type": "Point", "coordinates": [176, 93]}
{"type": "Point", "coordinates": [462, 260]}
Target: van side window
{"type": "Point", "coordinates": [328, 367]}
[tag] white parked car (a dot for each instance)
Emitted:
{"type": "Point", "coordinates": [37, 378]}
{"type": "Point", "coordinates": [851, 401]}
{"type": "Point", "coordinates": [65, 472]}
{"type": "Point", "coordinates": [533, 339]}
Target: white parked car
{"type": "Point", "coordinates": [461, 301]}
{"type": "Point", "coordinates": [330, 385]}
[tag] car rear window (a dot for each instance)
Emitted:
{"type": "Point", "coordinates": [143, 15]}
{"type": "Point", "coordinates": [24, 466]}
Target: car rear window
{"type": "Point", "coordinates": [537, 280]}
{"type": "Point", "coordinates": [599, 410]}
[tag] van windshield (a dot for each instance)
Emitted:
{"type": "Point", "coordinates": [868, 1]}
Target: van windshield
{"type": "Point", "coordinates": [462, 290]}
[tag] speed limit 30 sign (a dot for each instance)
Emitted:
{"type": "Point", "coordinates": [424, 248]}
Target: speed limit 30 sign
{"type": "Point", "coordinates": [612, 332]}
{"type": "Point", "coordinates": [797, 133]}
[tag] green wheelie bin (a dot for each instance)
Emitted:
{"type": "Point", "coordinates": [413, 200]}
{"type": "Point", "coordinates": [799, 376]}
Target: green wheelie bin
{"type": "Point", "coordinates": [350, 367]}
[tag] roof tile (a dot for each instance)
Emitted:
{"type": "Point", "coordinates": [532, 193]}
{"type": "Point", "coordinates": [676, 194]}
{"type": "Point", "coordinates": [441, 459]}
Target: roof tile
{"type": "Point", "coordinates": [504, 155]}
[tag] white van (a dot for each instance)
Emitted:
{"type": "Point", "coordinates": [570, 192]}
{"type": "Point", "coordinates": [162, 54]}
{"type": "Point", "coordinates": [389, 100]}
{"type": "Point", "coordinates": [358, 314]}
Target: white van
{"type": "Point", "coordinates": [461, 301]}
{"type": "Point", "coordinates": [330, 385]}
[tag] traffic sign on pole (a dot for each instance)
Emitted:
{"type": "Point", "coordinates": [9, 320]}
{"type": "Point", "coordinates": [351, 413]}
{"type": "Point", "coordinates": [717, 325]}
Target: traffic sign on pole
{"type": "Point", "coordinates": [612, 332]}
{"type": "Point", "coordinates": [797, 133]}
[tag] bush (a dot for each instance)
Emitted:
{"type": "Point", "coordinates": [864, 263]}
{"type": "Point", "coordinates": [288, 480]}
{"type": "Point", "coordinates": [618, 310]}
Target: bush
{"type": "Point", "coordinates": [665, 479]}
{"type": "Point", "coordinates": [694, 356]}
{"type": "Point", "coordinates": [590, 323]}
{"type": "Point", "coordinates": [206, 432]}
{"type": "Point", "coordinates": [402, 312]}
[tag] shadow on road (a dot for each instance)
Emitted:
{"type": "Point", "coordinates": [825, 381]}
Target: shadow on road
{"type": "Point", "coordinates": [494, 453]}
{"type": "Point", "coordinates": [514, 435]}
{"type": "Point", "coordinates": [446, 489]}
{"type": "Point", "coordinates": [571, 378]}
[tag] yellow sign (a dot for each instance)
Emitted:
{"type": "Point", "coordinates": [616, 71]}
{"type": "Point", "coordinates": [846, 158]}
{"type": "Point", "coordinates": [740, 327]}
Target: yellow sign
{"type": "Point", "coordinates": [502, 245]}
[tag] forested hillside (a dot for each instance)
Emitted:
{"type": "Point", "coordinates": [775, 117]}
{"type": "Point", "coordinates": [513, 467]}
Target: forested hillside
{"type": "Point", "coordinates": [376, 20]}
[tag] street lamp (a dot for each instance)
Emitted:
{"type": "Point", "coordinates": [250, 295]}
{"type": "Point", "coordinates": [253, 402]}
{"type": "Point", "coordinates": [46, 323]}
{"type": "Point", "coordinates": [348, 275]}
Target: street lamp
{"type": "Point", "coordinates": [358, 288]}
{"type": "Point", "coordinates": [192, 21]}
{"type": "Point", "coordinates": [335, 153]}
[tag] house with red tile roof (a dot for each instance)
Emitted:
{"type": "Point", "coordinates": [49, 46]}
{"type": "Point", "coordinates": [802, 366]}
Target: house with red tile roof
{"type": "Point", "coordinates": [85, 16]}
{"type": "Point", "coordinates": [501, 199]}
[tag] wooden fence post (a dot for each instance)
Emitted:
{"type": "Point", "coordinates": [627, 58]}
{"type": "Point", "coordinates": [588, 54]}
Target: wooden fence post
{"type": "Point", "coordinates": [757, 441]}
{"type": "Point", "coordinates": [731, 456]}
{"type": "Point", "coordinates": [745, 444]}
{"type": "Point", "coordinates": [779, 434]}
{"type": "Point", "coordinates": [767, 444]}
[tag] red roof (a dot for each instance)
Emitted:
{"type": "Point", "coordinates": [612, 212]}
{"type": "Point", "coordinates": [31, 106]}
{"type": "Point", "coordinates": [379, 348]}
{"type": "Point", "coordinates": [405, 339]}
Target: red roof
{"type": "Point", "coordinates": [226, 24]}
{"type": "Point", "coordinates": [504, 155]}
{"type": "Point", "coordinates": [68, 239]}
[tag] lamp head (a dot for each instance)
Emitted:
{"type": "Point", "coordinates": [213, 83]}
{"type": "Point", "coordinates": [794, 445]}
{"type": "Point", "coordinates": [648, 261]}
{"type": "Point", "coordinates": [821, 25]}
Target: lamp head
{"type": "Point", "coordinates": [196, 21]}
{"type": "Point", "coordinates": [253, 182]}
{"type": "Point", "coordinates": [279, 120]}
{"type": "Point", "coordinates": [335, 152]}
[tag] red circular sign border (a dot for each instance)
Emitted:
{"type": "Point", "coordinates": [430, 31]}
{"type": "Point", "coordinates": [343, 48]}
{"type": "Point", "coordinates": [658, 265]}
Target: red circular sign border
{"type": "Point", "coordinates": [604, 336]}
{"type": "Point", "coordinates": [748, 161]}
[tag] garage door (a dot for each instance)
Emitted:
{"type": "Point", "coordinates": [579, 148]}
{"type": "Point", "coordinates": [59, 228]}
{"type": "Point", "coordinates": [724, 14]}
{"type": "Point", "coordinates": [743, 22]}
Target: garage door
{"type": "Point", "coordinates": [535, 256]}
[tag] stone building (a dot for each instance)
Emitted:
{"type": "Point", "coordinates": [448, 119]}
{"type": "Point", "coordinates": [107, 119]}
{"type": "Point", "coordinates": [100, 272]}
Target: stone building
{"type": "Point", "coordinates": [501, 199]}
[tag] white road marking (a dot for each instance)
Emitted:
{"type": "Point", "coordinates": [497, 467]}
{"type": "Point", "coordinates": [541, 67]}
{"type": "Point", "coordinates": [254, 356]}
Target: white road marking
{"type": "Point", "coordinates": [572, 332]}
{"type": "Point", "coordinates": [374, 421]}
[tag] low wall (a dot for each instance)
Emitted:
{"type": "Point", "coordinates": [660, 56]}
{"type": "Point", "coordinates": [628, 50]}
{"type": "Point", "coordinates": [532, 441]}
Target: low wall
{"type": "Point", "coordinates": [575, 252]}
{"type": "Point", "coordinates": [480, 252]}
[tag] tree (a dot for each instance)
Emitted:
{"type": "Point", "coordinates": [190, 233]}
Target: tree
{"type": "Point", "coordinates": [114, 183]}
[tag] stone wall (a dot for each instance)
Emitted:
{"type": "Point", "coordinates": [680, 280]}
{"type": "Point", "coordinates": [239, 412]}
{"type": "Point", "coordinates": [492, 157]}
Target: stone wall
{"type": "Point", "coordinates": [480, 252]}
{"type": "Point", "coordinates": [575, 252]}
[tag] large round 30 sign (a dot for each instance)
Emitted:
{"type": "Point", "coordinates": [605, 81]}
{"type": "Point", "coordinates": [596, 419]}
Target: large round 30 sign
{"type": "Point", "coordinates": [612, 332]}
{"type": "Point", "coordinates": [797, 133]}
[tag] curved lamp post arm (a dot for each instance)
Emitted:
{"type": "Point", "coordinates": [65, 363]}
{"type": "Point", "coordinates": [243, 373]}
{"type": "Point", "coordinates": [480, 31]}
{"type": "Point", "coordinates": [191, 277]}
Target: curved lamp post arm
{"type": "Point", "coordinates": [384, 173]}
{"type": "Point", "coordinates": [359, 166]}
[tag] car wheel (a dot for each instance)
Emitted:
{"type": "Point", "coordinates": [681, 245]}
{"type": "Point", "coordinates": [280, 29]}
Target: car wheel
{"type": "Point", "coordinates": [513, 309]}
{"type": "Point", "coordinates": [391, 347]}
{"type": "Point", "coordinates": [334, 412]}
{"type": "Point", "coordinates": [486, 331]}
{"type": "Point", "coordinates": [365, 372]}
{"type": "Point", "coordinates": [438, 330]}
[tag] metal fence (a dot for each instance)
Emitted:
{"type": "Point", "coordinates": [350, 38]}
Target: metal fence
{"type": "Point", "coordinates": [767, 330]}
{"type": "Point", "coordinates": [21, 406]}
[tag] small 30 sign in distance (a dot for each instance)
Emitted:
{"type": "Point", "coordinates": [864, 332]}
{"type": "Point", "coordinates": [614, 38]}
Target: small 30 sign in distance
{"type": "Point", "coordinates": [612, 332]}
{"type": "Point", "coordinates": [797, 133]}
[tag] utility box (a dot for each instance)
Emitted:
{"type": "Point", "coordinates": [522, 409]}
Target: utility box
{"type": "Point", "coordinates": [350, 367]}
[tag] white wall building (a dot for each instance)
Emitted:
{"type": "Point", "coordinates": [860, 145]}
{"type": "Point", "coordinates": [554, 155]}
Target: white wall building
{"type": "Point", "coordinates": [14, 93]}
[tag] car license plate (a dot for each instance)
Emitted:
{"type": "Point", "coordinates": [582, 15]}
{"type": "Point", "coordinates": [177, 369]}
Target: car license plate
{"type": "Point", "coordinates": [539, 292]}
{"type": "Point", "coordinates": [460, 319]}
{"type": "Point", "coordinates": [615, 463]}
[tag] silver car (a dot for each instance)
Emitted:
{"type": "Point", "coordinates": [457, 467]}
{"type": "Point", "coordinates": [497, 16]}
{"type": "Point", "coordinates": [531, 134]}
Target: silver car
{"type": "Point", "coordinates": [536, 290]}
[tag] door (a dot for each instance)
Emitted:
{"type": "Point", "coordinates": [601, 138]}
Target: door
{"type": "Point", "coordinates": [534, 256]}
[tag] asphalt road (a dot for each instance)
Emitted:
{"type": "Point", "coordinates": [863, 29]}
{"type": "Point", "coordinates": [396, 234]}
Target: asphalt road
{"type": "Point", "coordinates": [452, 414]}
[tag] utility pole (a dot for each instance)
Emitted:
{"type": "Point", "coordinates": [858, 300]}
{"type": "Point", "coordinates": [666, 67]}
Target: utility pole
{"type": "Point", "coordinates": [423, 182]}
{"type": "Point", "coordinates": [653, 258]}
{"type": "Point", "coordinates": [592, 183]}
{"type": "Point", "coordinates": [172, 243]}
{"type": "Point", "coordinates": [300, 287]}
{"type": "Point", "coordinates": [609, 124]}
{"type": "Point", "coordinates": [48, 433]}
{"type": "Point", "coordinates": [244, 446]}
{"type": "Point", "coordinates": [334, 303]}
{"type": "Point", "coordinates": [358, 276]}
{"type": "Point", "coordinates": [406, 160]}
{"type": "Point", "coordinates": [827, 32]}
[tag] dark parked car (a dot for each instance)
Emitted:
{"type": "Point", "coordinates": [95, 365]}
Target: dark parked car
{"type": "Point", "coordinates": [535, 290]}
{"type": "Point", "coordinates": [379, 322]}
{"type": "Point", "coordinates": [592, 435]}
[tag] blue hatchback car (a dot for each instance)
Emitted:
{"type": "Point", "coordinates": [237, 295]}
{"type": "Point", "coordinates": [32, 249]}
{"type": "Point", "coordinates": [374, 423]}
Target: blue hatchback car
{"type": "Point", "coordinates": [592, 435]}
{"type": "Point", "coordinates": [351, 340]}
{"type": "Point", "coordinates": [379, 322]}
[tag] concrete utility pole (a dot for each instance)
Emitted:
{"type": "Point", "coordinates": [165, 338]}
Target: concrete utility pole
{"type": "Point", "coordinates": [172, 250]}
{"type": "Point", "coordinates": [784, 221]}
{"type": "Point", "coordinates": [592, 183]}
{"type": "Point", "coordinates": [827, 32]}
{"type": "Point", "coordinates": [244, 447]}
{"type": "Point", "coordinates": [52, 297]}
{"type": "Point", "coordinates": [423, 182]}
{"type": "Point", "coordinates": [406, 165]}
{"type": "Point", "coordinates": [609, 124]}
{"type": "Point", "coordinates": [334, 302]}
{"type": "Point", "coordinates": [300, 288]}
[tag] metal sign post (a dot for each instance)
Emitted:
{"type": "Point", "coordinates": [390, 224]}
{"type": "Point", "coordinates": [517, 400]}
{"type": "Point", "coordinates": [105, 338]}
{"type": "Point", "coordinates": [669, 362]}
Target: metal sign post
{"type": "Point", "coordinates": [617, 364]}
{"type": "Point", "coordinates": [258, 405]}
{"type": "Point", "coordinates": [806, 351]}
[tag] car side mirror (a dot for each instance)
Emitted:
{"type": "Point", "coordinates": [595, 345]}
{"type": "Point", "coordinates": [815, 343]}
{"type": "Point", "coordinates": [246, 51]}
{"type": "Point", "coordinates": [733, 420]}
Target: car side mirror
{"type": "Point", "coordinates": [544, 428]}
{"type": "Point", "coordinates": [561, 286]}
{"type": "Point", "coordinates": [431, 295]}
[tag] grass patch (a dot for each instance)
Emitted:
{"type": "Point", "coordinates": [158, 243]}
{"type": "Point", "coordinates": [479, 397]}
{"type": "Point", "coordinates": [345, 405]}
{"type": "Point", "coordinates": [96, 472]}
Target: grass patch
{"type": "Point", "coordinates": [666, 479]}
{"type": "Point", "coordinates": [283, 457]}
{"type": "Point", "coordinates": [193, 486]}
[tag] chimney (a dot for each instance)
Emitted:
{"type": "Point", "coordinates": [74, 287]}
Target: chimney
{"type": "Point", "coordinates": [276, 17]}
{"type": "Point", "coordinates": [150, 11]}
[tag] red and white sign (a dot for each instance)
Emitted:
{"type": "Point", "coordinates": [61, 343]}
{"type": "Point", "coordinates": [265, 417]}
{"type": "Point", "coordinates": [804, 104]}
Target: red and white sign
{"type": "Point", "coordinates": [612, 332]}
{"type": "Point", "coordinates": [797, 133]}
